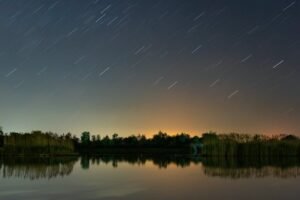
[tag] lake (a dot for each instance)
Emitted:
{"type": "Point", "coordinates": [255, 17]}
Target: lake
{"type": "Point", "coordinates": [147, 177]}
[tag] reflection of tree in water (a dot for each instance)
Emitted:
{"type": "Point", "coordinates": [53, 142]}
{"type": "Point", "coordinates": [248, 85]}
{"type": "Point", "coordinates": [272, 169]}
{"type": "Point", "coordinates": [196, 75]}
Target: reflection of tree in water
{"type": "Point", "coordinates": [179, 161]}
{"type": "Point", "coordinates": [236, 168]}
{"type": "Point", "coordinates": [161, 161]}
{"type": "Point", "coordinates": [36, 168]}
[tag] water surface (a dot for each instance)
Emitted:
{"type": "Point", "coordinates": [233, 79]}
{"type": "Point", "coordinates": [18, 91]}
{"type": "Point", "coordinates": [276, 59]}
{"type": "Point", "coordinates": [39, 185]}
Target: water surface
{"type": "Point", "coordinates": [148, 177]}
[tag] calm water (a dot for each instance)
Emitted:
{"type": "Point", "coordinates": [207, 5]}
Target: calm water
{"type": "Point", "coordinates": [151, 177]}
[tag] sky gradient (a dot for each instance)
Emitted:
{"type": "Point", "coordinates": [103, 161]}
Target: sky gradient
{"type": "Point", "coordinates": [130, 66]}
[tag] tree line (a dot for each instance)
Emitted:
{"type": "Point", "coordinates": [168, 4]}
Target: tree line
{"type": "Point", "coordinates": [36, 142]}
{"type": "Point", "coordinates": [159, 140]}
{"type": "Point", "coordinates": [245, 145]}
{"type": "Point", "coordinates": [210, 144]}
{"type": "Point", "coordinates": [52, 143]}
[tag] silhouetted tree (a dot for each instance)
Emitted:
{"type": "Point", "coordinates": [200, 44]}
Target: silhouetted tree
{"type": "Point", "coordinates": [93, 138]}
{"type": "Point", "coordinates": [241, 145]}
{"type": "Point", "coordinates": [98, 138]}
{"type": "Point", "coordinates": [85, 138]}
{"type": "Point", "coordinates": [1, 137]}
{"type": "Point", "coordinates": [68, 136]}
{"type": "Point", "coordinates": [106, 141]}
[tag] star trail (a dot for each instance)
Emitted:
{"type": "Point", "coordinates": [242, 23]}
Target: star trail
{"type": "Point", "coordinates": [129, 66]}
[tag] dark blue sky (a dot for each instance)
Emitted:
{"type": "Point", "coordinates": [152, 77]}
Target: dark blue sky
{"type": "Point", "coordinates": [142, 66]}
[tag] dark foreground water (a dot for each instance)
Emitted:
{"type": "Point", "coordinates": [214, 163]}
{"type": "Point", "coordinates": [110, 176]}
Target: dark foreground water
{"type": "Point", "coordinates": [148, 177]}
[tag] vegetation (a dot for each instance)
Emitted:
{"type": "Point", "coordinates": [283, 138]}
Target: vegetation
{"type": "Point", "coordinates": [180, 142]}
{"type": "Point", "coordinates": [210, 144]}
{"type": "Point", "coordinates": [37, 143]}
{"type": "Point", "coordinates": [241, 145]}
{"type": "Point", "coordinates": [49, 143]}
{"type": "Point", "coordinates": [1, 137]}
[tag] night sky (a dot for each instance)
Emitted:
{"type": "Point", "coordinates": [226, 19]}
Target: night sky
{"type": "Point", "coordinates": [142, 66]}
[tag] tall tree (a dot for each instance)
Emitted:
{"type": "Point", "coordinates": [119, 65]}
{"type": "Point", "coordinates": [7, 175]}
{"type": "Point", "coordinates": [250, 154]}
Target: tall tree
{"type": "Point", "coordinates": [85, 137]}
{"type": "Point", "coordinates": [1, 137]}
